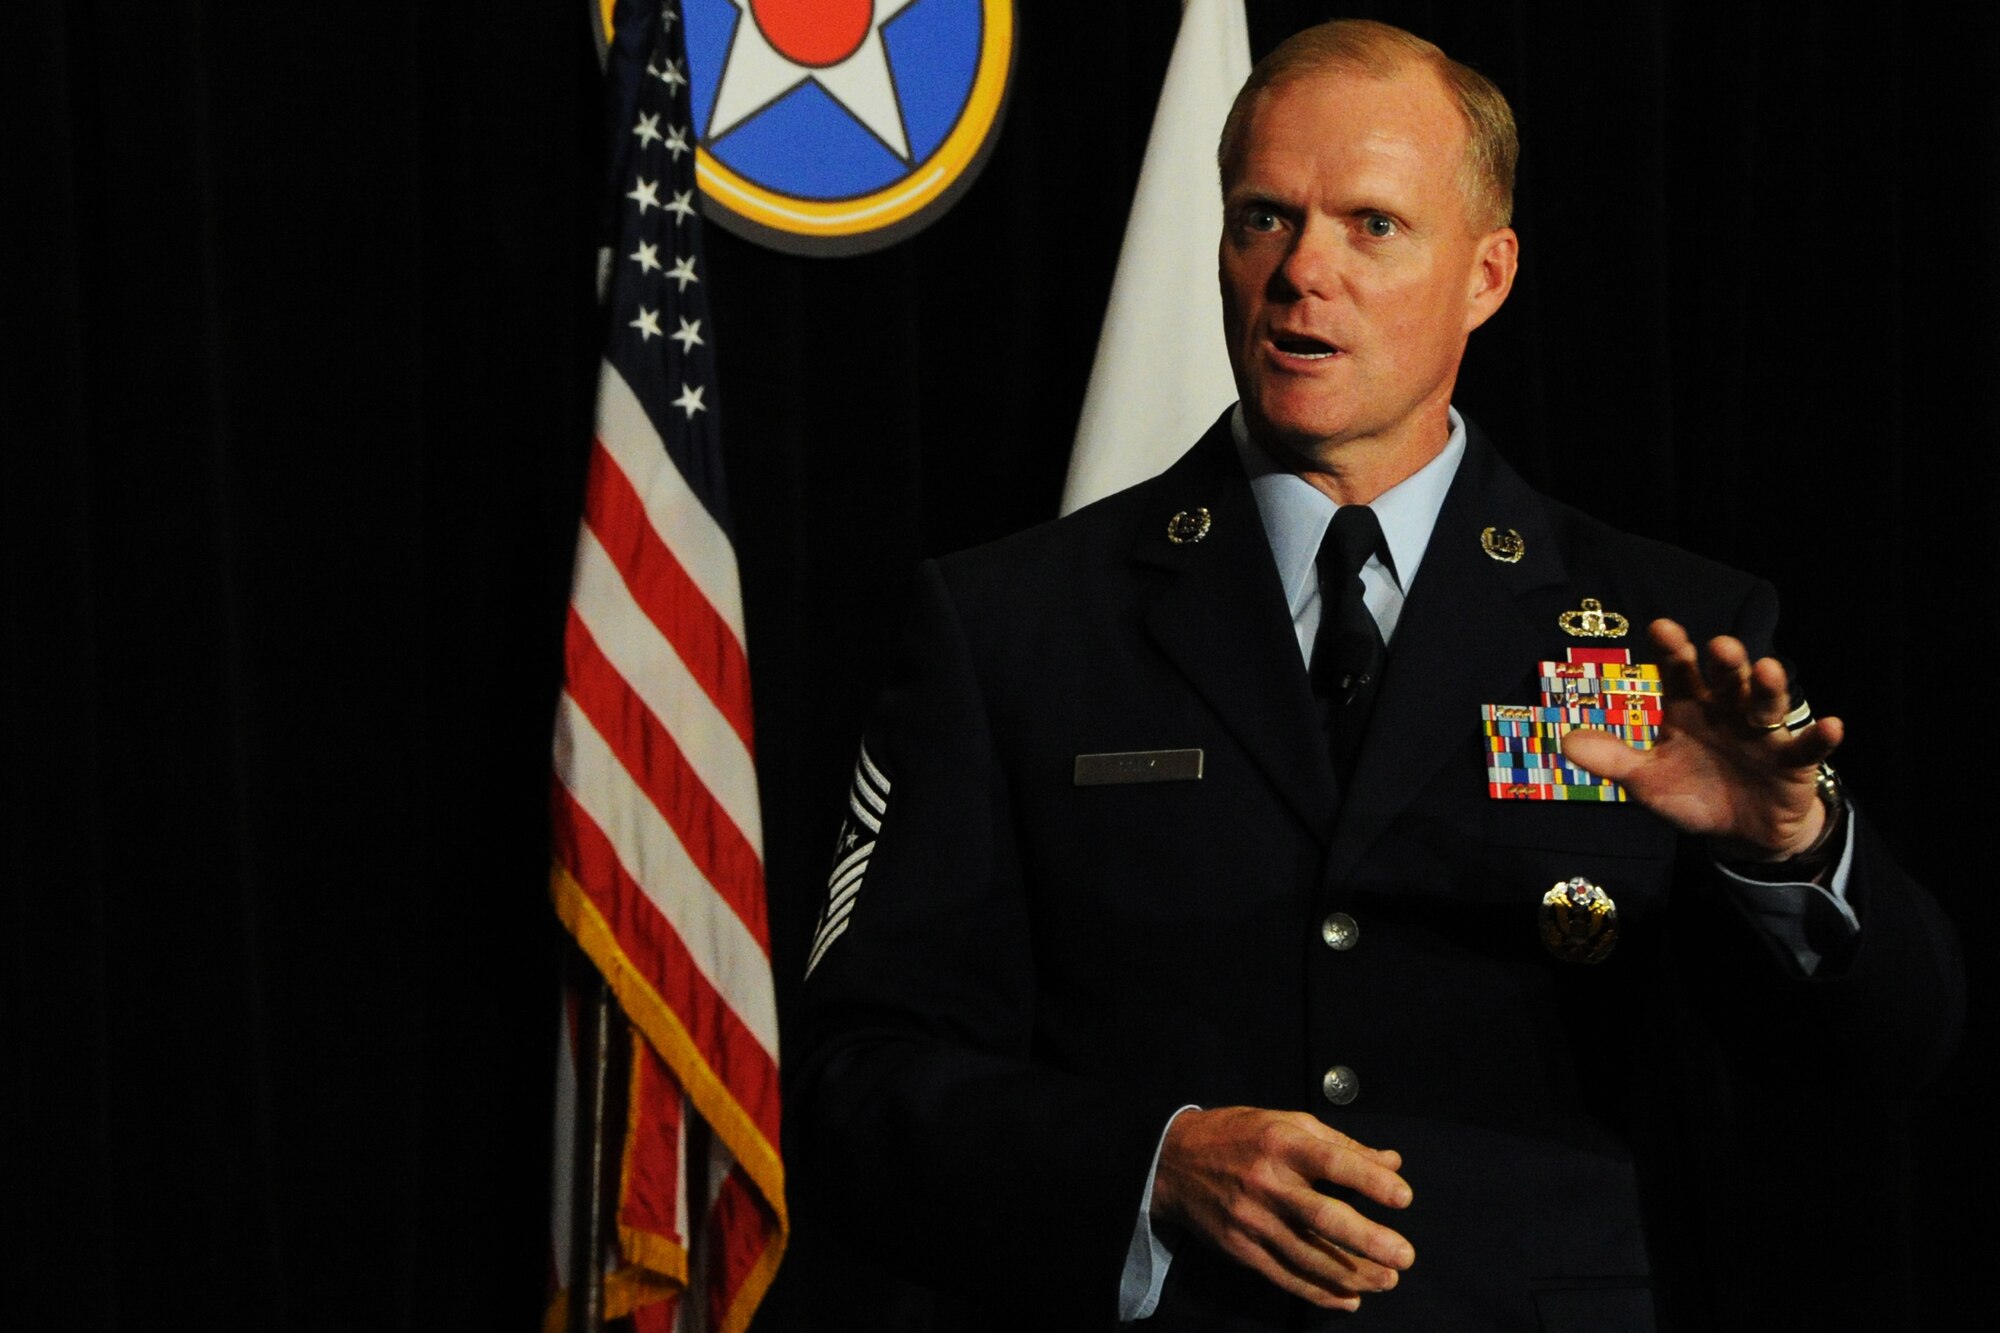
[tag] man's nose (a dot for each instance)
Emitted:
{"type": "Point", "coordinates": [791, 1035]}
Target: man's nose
{"type": "Point", "coordinates": [1316, 261]}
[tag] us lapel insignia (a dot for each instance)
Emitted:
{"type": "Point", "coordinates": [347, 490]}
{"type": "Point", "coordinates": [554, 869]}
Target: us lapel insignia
{"type": "Point", "coordinates": [1593, 622]}
{"type": "Point", "coordinates": [1600, 688]}
{"type": "Point", "coordinates": [1187, 527]}
{"type": "Point", "coordinates": [1579, 921]}
{"type": "Point", "coordinates": [1503, 544]}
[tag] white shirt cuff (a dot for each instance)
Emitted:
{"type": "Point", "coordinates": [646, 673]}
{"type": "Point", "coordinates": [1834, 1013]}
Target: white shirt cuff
{"type": "Point", "coordinates": [1148, 1256]}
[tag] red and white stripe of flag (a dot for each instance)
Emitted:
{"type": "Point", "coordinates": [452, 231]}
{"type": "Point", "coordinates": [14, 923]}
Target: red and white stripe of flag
{"type": "Point", "coordinates": [659, 874]}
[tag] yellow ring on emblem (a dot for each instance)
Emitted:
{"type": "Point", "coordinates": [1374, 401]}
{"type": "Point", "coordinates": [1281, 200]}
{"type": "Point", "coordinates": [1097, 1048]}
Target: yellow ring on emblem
{"type": "Point", "coordinates": [894, 203]}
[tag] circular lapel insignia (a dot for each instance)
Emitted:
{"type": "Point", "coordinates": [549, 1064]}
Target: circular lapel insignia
{"type": "Point", "coordinates": [1579, 921]}
{"type": "Point", "coordinates": [1504, 545]}
{"type": "Point", "coordinates": [840, 126]}
{"type": "Point", "coordinates": [1190, 525]}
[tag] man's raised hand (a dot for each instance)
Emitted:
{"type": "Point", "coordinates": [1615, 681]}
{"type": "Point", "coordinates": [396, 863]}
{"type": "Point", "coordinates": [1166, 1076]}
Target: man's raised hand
{"type": "Point", "coordinates": [1724, 767]}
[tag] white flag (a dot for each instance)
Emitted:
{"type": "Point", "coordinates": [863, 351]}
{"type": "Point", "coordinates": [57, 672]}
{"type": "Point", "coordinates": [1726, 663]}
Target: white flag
{"type": "Point", "coordinates": [1162, 371]}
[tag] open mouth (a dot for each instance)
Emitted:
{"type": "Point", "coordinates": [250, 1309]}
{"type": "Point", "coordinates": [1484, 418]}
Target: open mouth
{"type": "Point", "coordinates": [1304, 348]}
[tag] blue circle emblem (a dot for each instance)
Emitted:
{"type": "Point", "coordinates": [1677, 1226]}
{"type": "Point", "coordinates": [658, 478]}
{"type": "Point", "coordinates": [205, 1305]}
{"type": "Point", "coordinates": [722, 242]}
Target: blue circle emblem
{"type": "Point", "coordinates": [841, 126]}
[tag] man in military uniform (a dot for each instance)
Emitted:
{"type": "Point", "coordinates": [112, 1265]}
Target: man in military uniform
{"type": "Point", "coordinates": [1211, 945]}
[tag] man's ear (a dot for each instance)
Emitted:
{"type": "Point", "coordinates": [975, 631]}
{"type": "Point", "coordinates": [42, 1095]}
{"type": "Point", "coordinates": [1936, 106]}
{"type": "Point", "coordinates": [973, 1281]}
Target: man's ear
{"type": "Point", "coordinates": [1495, 259]}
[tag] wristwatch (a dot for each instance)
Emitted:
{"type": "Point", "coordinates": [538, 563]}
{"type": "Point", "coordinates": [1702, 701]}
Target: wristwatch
{"type": "Point", "coordinates": [1807, 865]}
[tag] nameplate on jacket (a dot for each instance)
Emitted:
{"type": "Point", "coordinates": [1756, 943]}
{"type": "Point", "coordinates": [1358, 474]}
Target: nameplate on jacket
{"type": "Point", "coordinates": [1105, 770]}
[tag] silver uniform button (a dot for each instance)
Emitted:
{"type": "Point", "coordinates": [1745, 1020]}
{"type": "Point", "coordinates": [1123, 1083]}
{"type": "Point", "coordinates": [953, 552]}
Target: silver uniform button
{"type": "Point", "coordinates": [1341, 1085]}
{"type": "Point", "coordinates": [1340, 931]}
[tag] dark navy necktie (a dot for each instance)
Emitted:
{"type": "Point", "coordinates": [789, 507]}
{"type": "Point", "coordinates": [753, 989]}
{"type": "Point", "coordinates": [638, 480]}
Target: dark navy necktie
{"type": "Point", "coordinates": [1348, 652]}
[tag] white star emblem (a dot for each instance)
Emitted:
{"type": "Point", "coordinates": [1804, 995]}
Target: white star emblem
{"type": "Point", "coordinates": [848, 837]}
{"type": "Point", "coordinates": [648, 129]}
{"type": "Point", "coordinates": [689, 335]}
{"type": "Point", "coordinates": [666, 18]}
{"type": "Point", "coordinates": [758, 74]}
{"type": "Point", "coordinates": [671, 75]}
{"type": "Point", "coordinates": [648, 195]}
{"type": "Point", "coordinates": [676, 139]}
{"type": "Point", "coordinates": [682, 206]}
{"type": "Point", "coordinates": [690, 400]}
{"type": "Point", "coordinates": [647, 256]}
{"type": "Point", "coordinates": [682, 273]}
{"type": "Point", "coordinates": [648, 324]}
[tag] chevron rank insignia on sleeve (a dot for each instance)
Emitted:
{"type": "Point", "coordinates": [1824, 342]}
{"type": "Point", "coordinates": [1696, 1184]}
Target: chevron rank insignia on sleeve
{"type": "Point", "coordinates": [1601, 688]}
{"type": "Point", "coordinates": [867, 806]}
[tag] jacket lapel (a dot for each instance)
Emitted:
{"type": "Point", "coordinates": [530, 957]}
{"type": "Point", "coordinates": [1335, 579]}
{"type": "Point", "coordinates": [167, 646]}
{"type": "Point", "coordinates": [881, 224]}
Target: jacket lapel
{"type": "Point", "coordinates": [1221, 619]}
{"type": "Point", "coordinates": [1465, 636]}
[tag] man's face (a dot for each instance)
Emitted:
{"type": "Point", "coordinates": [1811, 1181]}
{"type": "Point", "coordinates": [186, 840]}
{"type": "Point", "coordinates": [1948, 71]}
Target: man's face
{"type": "Point", "coordinates": [1351, 274]}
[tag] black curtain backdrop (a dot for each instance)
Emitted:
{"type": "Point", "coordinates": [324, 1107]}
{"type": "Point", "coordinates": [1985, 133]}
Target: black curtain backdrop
{"type": "Point", "coordinates": [305, 337]}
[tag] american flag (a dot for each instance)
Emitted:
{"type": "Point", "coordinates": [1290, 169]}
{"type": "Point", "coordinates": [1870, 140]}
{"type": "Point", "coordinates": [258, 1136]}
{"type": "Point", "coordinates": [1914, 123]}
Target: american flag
{"type": "Point", "coordinates": [658, 842]}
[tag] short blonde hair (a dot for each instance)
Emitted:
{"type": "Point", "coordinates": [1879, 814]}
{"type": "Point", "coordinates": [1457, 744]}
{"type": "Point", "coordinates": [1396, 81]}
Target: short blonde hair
{"type": "Point", "coordinates": [1363, 46]}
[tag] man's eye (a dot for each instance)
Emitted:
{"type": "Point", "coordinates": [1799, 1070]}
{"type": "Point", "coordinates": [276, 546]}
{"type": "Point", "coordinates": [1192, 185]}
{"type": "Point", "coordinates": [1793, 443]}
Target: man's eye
{"type": "Point", "coordinates": [1260, 219]}
{"type": "Point", "coordinates": [1378, 225]}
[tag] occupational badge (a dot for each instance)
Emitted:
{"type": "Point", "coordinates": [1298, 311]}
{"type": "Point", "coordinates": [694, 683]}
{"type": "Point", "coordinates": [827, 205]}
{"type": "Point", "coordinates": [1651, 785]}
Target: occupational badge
{"type": "Point", "coordinates": [1599, 688]}
{"type": "Point", "coordinates": [1503, 544]}
{"type": "Point", "coordinates": [1579, 921]}
{"type": "Point", "coordinates": [1593, 622]}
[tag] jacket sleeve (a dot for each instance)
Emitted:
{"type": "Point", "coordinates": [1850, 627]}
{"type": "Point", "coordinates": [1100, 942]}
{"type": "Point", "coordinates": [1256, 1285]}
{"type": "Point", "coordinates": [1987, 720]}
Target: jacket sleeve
{"type": "Point", "coordinates": [1894, 988]}
{"type": "Point", "coordinates": [925, 1124]}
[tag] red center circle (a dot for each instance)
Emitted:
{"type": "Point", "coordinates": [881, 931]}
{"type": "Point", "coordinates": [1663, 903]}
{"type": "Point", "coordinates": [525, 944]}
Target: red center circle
{"type": "Point", "coordinates": [817, 33]}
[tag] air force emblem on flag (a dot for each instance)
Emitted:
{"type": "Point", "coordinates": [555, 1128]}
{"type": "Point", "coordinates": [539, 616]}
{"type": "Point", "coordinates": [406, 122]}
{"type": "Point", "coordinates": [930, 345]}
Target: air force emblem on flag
{"type": "Point", "coordinates": [867, 806]}
{"type": "Point", "coordinates": [840, 126]}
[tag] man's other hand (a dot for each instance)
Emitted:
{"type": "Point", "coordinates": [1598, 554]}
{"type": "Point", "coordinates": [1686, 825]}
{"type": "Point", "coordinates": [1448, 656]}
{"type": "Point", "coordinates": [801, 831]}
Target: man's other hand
{"type": "Point", "coordinates": [1244, 1180]}
{"type": "Point", "coordinates": [1724, 766]}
